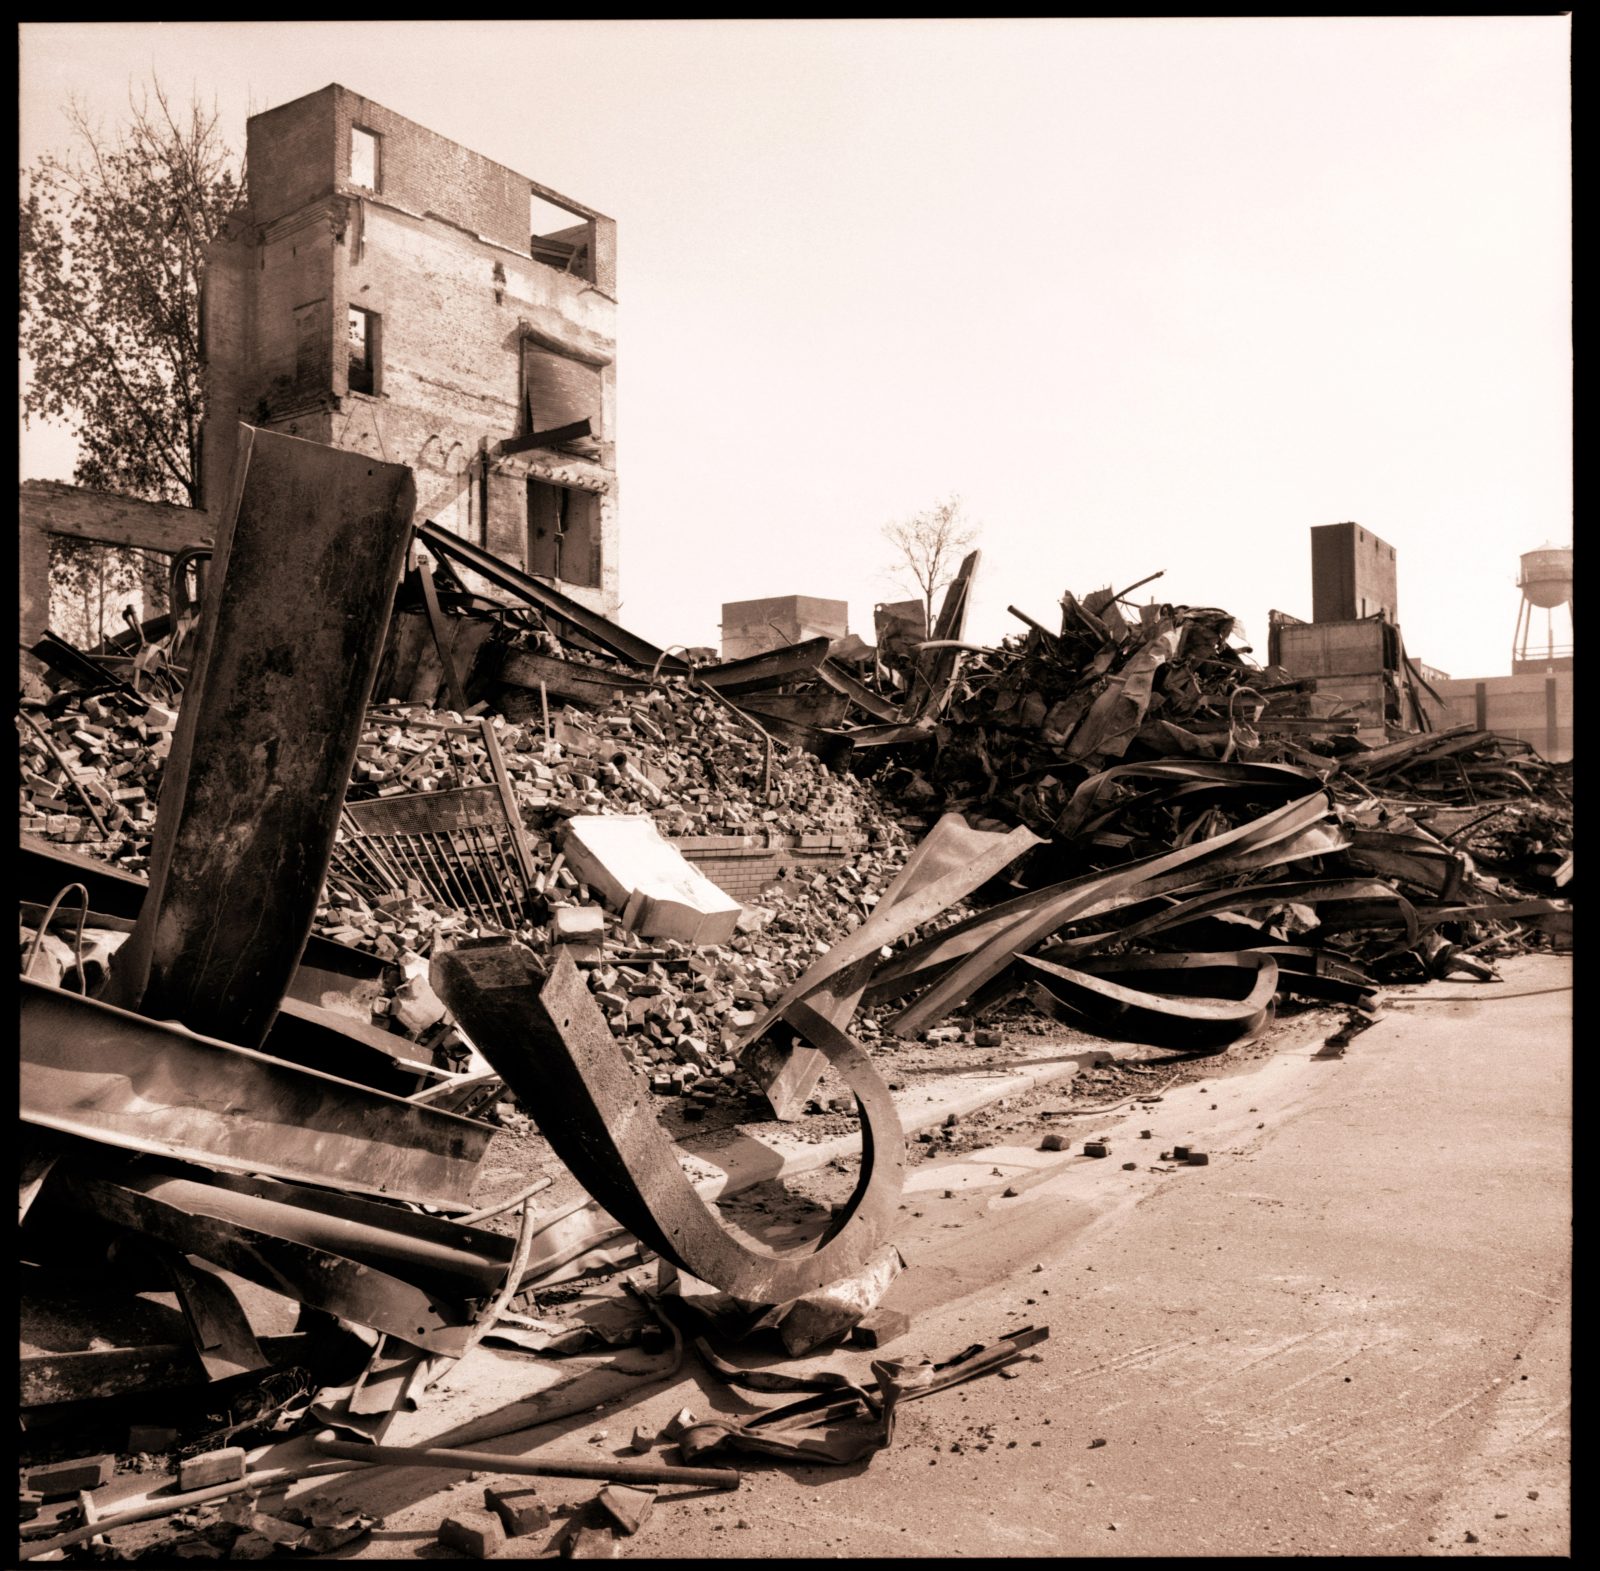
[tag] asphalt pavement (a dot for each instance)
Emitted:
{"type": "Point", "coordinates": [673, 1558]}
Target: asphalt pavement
{"type": "Point", "coordinates": [1348, 1333]}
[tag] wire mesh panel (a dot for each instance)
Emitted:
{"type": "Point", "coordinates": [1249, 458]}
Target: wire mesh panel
{"type": "Point", "coordinates": [459, 846]}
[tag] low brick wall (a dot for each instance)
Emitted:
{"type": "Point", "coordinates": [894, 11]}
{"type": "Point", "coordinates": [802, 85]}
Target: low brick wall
{"type": "Point", "coordinates": [743, 865]}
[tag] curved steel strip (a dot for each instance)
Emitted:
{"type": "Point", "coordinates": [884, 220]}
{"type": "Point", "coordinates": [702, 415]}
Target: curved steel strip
{"type": "Point", "coordinates": [1308, 891]}
{"type": "Point", "coordinates": [1099, 979]}
{"type": "Point", "coordinates": [963, 979]}
{"type": "Point", "coordinates": [554, 1049]}
{"type": "Point", "coordinates": [1206, 772]}
{"type": "Point", "coordinates": [1178, 1023]}
{"type": "Point", "coordinates": [951, 861]}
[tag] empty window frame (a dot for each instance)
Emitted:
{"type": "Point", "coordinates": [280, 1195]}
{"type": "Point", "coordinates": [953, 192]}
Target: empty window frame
{"type": "Point", "coordinates": [365, 347]}
{"type": "Point", "coordinates": [564, 534]}
{"type": "Point", "coordinates": [557, 241]}
{"type": "Point", "coordinates": [365, 158]}
{"type": "Point", "coordinates": [558, 391]}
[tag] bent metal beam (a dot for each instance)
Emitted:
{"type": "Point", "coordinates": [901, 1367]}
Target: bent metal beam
{"type": "Point", "coordinates": [554, 1049]}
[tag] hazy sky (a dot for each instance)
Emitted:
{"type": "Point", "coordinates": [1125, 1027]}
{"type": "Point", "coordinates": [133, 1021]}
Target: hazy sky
{"type": "Point", "coordinates": [1147, 294]}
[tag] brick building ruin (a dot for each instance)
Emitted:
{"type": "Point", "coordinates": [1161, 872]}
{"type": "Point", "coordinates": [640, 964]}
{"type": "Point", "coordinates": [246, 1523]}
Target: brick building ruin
{"type": "Point", "coordinates": [384, 291]}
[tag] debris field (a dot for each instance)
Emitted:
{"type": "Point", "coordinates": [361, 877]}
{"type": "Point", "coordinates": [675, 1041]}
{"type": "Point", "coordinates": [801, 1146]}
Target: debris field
{"type": "Point", "coordinates": [1116, 825]}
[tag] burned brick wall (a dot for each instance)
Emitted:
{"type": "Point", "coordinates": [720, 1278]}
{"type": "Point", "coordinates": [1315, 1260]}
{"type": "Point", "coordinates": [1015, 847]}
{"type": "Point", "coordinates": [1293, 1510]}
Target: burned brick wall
{"type": "Point", "coordinates": [425, 262]}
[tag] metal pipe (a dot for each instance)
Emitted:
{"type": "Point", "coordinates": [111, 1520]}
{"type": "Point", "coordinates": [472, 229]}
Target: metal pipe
{"type": "Point", "coordinates": [533, 1466]}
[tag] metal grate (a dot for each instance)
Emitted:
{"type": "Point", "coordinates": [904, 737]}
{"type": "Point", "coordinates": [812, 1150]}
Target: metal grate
{"type": "Point", "coordinates": [463, 849]}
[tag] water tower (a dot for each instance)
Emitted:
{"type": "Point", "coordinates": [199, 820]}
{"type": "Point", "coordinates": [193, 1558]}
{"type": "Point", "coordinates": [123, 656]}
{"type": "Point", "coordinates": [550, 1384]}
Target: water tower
{"type": "Point", "coordinates": [1546, 585]}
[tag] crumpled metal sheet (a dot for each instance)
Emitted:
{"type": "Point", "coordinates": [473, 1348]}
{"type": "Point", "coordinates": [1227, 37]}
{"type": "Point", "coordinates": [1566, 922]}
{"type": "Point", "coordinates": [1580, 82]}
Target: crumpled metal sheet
{"type": "Point", "coordinates": [115, 1077]}
{"type": "Point", "coordinates": [781, 1431]}
{"type": "Point", "coordinates": [1119, 711]}
{"type": "Point", "coordinates": [554, 1049]}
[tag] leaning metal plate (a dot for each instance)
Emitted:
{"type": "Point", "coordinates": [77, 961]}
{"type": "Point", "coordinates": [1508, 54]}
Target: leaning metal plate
{"type": "Point", "coordinates": [109, 1075]}
{"type": "Point", "coordinates": [555, 1050]}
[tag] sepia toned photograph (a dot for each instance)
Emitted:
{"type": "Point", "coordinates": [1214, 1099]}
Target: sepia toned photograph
{"type": "Point", "coordinates": [783, 784]}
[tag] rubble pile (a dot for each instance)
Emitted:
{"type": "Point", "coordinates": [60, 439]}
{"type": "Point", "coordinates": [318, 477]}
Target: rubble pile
{"type": "Point", "coordinates": [678, 759]}
{"type": "Point", "coordinates": [1128, 827]}
{"type": "Point", "coordinates": [669, 753]}
{"type": "Point", "coordinates": [1026, 722]}
{"type": "Point", "coordinates": [106, 751]}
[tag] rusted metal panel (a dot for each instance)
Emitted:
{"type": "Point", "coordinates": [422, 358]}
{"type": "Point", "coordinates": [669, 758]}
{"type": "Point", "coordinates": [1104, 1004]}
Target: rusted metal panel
{"type": "Point", "coordinates": [835, 676]}
{"type": "Point", "coordinates": [553, 1047]}
{"type": "Point", "coordinates": [810, 708]}
{"type": "Point", "coordinates": [109, 1075]}
{"type": "Point", "coordinates": [567, 680]}
{"type": "Point", "coordinates": [936, 668]}
{"type": "Point", "coordinates": [441, 638]}
{"type": "Point", "coordinates": [221, 1333]}
{"type": "Point", "coordinates": [293, 626]}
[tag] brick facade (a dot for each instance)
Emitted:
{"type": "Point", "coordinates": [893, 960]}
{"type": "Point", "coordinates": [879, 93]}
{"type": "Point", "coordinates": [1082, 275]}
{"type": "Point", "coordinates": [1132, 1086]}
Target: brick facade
{"type": "Point", "coordinates": [440, 256]}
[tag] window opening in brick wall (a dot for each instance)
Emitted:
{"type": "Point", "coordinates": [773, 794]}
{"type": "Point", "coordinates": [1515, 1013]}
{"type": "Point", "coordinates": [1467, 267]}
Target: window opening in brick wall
{"type": "Point", "coordinates": [365, 343]}
{"type": "Point", "coordinates": [556, 240]}
{"type": "Point", "coordinates": [564, 534]}
{"type": "Point", "coordinates": [364, 158]}
{"type": "Point", "coordinates": [558, 391]}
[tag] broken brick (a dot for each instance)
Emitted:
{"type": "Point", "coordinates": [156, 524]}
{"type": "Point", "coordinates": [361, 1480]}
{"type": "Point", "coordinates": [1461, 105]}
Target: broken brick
{"type": "Point", "coordinates": [879, 1328]}
{"type": "Point", "coordinates": [67, 1478]}
{"type": "Point", "coordinates": [211, 1467]}
{"type": "Point", "coordinates": [521, 1511]}
{"type": "Point", "coordinates": [627, 1506]}
{"type": "Point", "coordinates": [681, 1420]}
{"type": "Point", "coordinates": [473, 1532]}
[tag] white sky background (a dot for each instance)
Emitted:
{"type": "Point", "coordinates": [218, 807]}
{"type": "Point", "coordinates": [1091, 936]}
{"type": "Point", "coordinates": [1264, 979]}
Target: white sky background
{"type": "Point", "coordinates": [1154, 294]}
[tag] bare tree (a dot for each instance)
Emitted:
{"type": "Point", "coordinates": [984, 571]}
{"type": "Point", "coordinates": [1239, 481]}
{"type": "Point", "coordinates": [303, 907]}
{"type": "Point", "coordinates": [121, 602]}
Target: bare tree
{"type": "Point", "coordinates": [930, 546]}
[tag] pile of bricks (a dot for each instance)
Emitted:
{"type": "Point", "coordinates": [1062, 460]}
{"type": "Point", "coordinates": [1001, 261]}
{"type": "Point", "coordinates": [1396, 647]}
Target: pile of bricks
{"type": "Point", "coordinates": [109, 749]}
{"type": "Point", "coordinates": [670, 754]}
